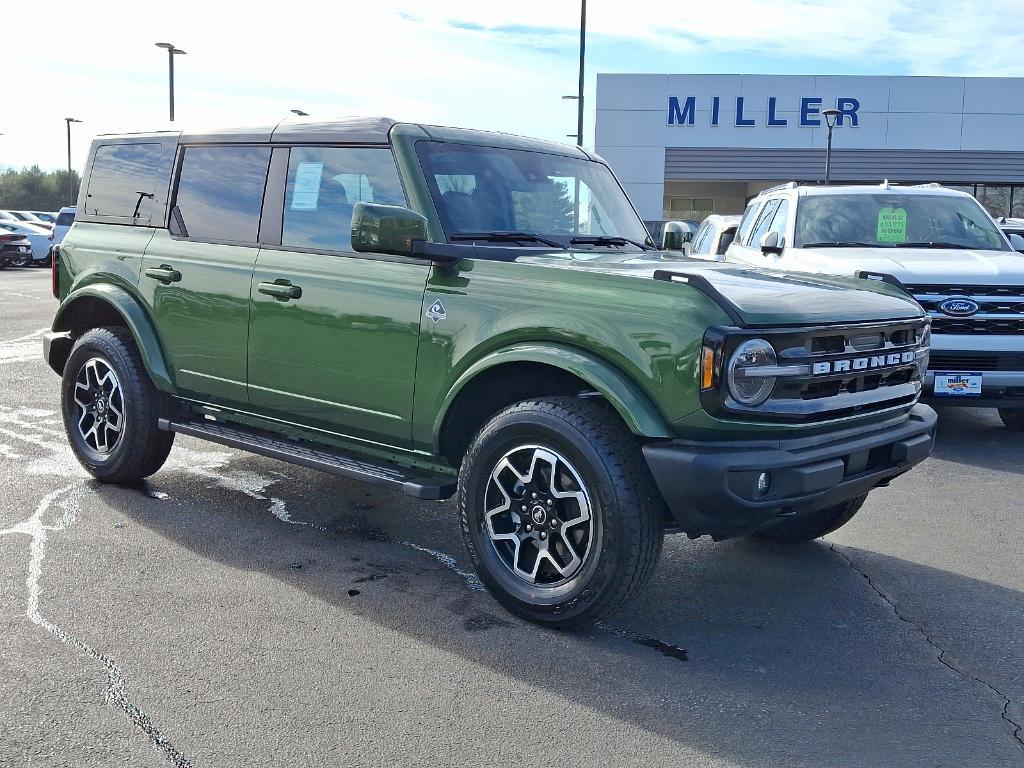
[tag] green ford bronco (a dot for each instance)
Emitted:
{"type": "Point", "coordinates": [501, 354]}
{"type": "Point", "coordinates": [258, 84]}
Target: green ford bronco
{"type": "Point", "coordinates": [448, 311]}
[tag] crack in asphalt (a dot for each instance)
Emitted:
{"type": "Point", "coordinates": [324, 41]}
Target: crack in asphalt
{"type": "Point", "coordinates": [114, 693]}
{"type": "Point", "coordinates": [1017, 732]}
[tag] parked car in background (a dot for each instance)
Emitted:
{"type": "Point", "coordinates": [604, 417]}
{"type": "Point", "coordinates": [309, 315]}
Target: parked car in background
{"type": "Point", "coordinates": [65, 218]}
{"type": "Point", "coordinates": [47, 216]}
{"type": "Point", "coordinates": [8, 216]}
{"type": "Point", "coordinates": [657, 229]}
{"type": "Point", "coordinates": [37, 237]}
{"type": "Point", "coordinates": [713, 237]}
{"type": "Point", "coordinates": [15, 249]}
{"type": "Point", "coordinates": [31, 218]}
{"type": "Point", "coordinates": [1011, 226]}
{"type": "Point", "coordinates": [938, 245]}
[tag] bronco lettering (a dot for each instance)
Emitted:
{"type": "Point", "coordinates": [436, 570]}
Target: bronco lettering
{"type": "Point", "coordinates": [863, 363]}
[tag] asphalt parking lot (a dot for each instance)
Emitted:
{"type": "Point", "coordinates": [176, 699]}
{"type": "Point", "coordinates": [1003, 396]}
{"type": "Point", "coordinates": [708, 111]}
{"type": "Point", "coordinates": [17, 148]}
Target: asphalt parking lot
{"type": "Point", "coordinates": [237, 611]}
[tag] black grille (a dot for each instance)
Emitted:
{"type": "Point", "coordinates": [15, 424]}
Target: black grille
{"type": "Point", "coordinates": [968, 290]}
{"type": "Point", "coordinates": [941, 361]}
{"type": "Point", "coordinates": [977, 325]}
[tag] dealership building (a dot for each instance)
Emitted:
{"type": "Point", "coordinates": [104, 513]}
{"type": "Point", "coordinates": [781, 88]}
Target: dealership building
{"type": "Point", "coordinates": [685, 146]}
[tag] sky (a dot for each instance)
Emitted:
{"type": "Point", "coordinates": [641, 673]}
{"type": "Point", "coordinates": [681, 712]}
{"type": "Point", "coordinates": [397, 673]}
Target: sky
{"type": "Point", "coordinates": [473, 63]}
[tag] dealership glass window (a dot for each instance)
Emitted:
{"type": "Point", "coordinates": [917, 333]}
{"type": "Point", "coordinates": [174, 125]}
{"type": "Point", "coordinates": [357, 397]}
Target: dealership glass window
{"type": "Point", "coordinates": [325, 183]}
{"type": "Point", "coordinates": [687, 208]}
{"type": "Point", "coordinates": [220, 192]}
{"type": "Point", "coordinates": [996, 199]}
{"type": "Point", "coordinates": [1017, 203]}
{"type": "Point", "coordinates": [122, 180]}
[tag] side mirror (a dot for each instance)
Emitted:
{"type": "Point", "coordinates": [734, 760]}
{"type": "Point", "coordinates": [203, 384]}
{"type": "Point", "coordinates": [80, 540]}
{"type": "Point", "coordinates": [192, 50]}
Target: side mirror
{"type": "Point", "coordinates": [772, 243]}
{"type": "Point", "coordinates": [386, 229]}
{"type": "Point", "coordinates": [1017, 243]}
{"type": "Point", "coordinates": [674, 235]}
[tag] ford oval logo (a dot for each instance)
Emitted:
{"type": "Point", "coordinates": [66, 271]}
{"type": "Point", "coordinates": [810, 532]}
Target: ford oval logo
{"type": "Point", "coordinates": [959, 307]}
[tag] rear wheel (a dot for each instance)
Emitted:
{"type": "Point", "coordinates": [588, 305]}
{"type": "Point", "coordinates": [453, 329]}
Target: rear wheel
{"type": "Point", "coordinates": [21, 260]}
{"type": "Point", "coordinates": [1013, 418]}
{"type": "Point", "coordinates": [815, 524]}
{"type": "Point", "coordinates": [110, 409]}
{"type": "Point", "coordinates": [558, 511]}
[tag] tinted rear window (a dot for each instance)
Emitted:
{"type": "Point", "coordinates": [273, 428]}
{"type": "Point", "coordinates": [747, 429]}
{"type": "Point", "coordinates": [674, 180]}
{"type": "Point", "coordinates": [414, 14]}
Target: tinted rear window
{"type": "Point", "coordinates": [220, 192]}
{"type": "Point", "coordinates": [65, 219]}
{"type": "Point", "coordinates": [122, 180]}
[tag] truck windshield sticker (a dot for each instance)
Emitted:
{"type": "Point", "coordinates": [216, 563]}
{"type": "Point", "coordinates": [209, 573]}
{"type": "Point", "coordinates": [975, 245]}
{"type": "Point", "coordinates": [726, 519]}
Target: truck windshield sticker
{"type": "Point", "coordinates": [892, 225]}
{"type": "Point", "coordinates": [307, 186]}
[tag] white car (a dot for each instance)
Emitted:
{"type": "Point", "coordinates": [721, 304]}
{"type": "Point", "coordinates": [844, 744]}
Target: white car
{"type": "Point", "coordinates": [713, 238]}
{"type": "Point", "coordinates": [937, 244]}
{"type": "Point", "coordinates": [31, 218]}
{"type": "Point", "coordinates": [38, 237]}
{"type": "Point", "coordinates": [65, 218]}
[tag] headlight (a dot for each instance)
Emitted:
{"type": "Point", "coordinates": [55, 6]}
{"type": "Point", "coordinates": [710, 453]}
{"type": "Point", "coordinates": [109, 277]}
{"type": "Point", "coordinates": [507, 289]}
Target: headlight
{"type": "Point", "coordinates": [748, 382]}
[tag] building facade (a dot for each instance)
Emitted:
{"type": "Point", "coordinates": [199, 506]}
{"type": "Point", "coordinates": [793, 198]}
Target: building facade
{"type": "Point", "coordinates": [685, 146]}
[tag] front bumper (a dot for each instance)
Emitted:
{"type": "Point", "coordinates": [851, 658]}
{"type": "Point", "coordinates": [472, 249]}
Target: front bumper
{"type": "Point", "coordinates": [711, 488]}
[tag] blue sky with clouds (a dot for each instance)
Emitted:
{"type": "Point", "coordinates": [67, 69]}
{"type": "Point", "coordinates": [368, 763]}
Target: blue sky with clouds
{"type": "Point", "coordinates": [490, 65]}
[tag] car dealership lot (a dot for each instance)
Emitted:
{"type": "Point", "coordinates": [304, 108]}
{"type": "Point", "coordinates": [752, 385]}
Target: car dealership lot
{"type": "Point", "coordinates": [240, 611]}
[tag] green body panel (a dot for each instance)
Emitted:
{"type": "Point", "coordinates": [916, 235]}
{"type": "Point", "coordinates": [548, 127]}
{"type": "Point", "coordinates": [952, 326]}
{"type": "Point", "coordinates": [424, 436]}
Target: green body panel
{"type": "Point", "coordinates": [203, 319]}
{"type": "Point", "coordinates": [103, 253]}
{"type": "Point", "coordinates": [343, 356]}
{"type": "Point", "coordinates": [128, 306]}
{"type": "Point", "coordinates": [637, 342]}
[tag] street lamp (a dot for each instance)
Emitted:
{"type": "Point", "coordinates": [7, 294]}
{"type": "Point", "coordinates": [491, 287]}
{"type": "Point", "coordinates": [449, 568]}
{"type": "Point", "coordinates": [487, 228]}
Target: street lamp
{"type": "Point", "coordinates": [300, 113]}
{"type": "Point", "coordinates": [583, 50]}
{"type": "Point", "coordinates": [171, 51]}
{"type": "Point", "coordinates": [830, 115]}
{"type": "Point", "coordinates": [71, 183]}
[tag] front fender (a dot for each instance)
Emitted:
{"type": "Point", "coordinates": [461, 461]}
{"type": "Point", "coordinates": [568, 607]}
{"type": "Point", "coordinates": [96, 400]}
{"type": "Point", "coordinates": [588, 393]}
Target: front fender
{"type": "Point", "coordinates": [631, 403]}
{"type": "Point", "coordinates": [78, 310]}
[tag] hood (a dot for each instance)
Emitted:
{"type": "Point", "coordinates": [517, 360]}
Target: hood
{"type": "Point", "coordinates": [919, 265]}
{"type": "Point", "coordinates": [760, 297]}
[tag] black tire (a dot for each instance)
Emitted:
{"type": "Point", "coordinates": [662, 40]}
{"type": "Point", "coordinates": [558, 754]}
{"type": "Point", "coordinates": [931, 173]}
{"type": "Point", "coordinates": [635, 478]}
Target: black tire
{"type": "Point", "coordinates": [138, 448]}
{"type": "Point", "coordinates": [21, 261]}
{"type": "Point", "coordinates": [1013, 418]}
{"type": "Point", "coordinates": [815, 524]}
{"type": "Point", "coordinates": [601, 463]}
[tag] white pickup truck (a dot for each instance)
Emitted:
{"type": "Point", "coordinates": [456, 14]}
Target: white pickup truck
{"type": "Point", "coordinates": [935, 243]}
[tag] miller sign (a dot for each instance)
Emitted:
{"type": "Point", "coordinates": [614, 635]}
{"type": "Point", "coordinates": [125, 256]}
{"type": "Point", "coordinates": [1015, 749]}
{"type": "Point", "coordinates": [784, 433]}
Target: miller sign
{"type": "Point", "coordinates": [684, 111]}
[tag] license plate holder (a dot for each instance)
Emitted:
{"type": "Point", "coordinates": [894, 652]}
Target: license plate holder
{"type": "Point", "coordinates": [958, 383]}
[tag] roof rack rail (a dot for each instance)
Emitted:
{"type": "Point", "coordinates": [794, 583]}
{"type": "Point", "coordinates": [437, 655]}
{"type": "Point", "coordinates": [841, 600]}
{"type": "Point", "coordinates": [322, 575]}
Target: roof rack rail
{"type": "Point", "coordinates": [929, 185]}
{"type": "Point", "coordinates": [777, 187]}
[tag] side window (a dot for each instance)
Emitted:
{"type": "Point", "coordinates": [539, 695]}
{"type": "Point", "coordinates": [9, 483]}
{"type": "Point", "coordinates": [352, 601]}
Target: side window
{"type": "Point", "coordinates": [702, 242]}
{"type": "Point", "coordinates": [122, 179]}
{"type": "Point", "coordinates": [746, 222]}
{"type": "Point", "coordinates": [779, 220]}
{"type": "Point", "coordinates": [220, 192]}
{"type": "Point", "coordinates": [763, 220]}
{"type": "Point", "coordinates": [325, 183]}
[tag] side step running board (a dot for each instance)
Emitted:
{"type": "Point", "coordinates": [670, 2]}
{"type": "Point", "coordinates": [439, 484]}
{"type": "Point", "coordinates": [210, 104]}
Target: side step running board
{"type": "Point", "coordinates": [411, 482]}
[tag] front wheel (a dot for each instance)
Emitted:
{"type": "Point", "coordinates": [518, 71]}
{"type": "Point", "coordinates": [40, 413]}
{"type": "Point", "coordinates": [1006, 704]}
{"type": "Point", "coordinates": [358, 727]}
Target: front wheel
{"type": "Point", "coordinates": [558, 511]}
{"type": "Point", "coordinates": [1013, 418]}
{"type": "Point", "coordinates": [813, 525]}
{"type": "Point", "coordinates": [110, 409]}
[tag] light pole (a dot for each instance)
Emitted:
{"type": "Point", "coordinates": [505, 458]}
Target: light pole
{"type": "Point", "coordinates": [299, 112]}
{"type": "Point", "coordinates": [71, 182]}
{"type": "Point", "coordinates": [171, 51]}
{"type": "Point", "coordinates": [583, 50]}
{"type": "Point", "coordinates": [830, 115]}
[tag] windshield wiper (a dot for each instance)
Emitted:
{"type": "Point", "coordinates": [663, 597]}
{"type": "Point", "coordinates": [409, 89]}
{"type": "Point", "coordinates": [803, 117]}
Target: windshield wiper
{"type": "Point", "coordinates": [607, 240]}
{"type": "Point", "coordinates": [930, 244]}
{"type": "Point", "coordinates": [507, 237]}
{"type": "Point", "coordinates": [841, 244]}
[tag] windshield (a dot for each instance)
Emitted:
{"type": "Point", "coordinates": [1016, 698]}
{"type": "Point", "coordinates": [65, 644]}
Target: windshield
{"type": "Point", "coordinates": [484, 189]}
{"type": "Point", "coordinates": [892, 220]}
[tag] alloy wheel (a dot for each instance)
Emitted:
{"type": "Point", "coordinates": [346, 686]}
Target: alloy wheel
{"type": "Point", "coordinates": [100, 402]}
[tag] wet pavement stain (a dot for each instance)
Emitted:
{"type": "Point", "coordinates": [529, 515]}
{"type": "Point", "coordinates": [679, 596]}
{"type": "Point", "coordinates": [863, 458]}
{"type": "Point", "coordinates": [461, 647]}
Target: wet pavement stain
{"type": "Point", "coordinates": [666, 649]}
{"type": "Point", "coordinates": [482, 621]}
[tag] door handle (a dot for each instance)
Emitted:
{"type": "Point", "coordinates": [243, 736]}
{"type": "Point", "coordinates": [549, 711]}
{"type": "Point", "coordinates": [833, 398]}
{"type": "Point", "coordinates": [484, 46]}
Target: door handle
{"type": "Point", "coordinates": [164, 273]}
{"type": "Point", "coordinates": [281, 290]}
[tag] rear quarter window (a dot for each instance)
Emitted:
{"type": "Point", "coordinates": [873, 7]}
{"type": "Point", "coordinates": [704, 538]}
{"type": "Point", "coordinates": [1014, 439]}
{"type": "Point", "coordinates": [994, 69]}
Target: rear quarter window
{"type": "Point", "coordinates": [122, 180]}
